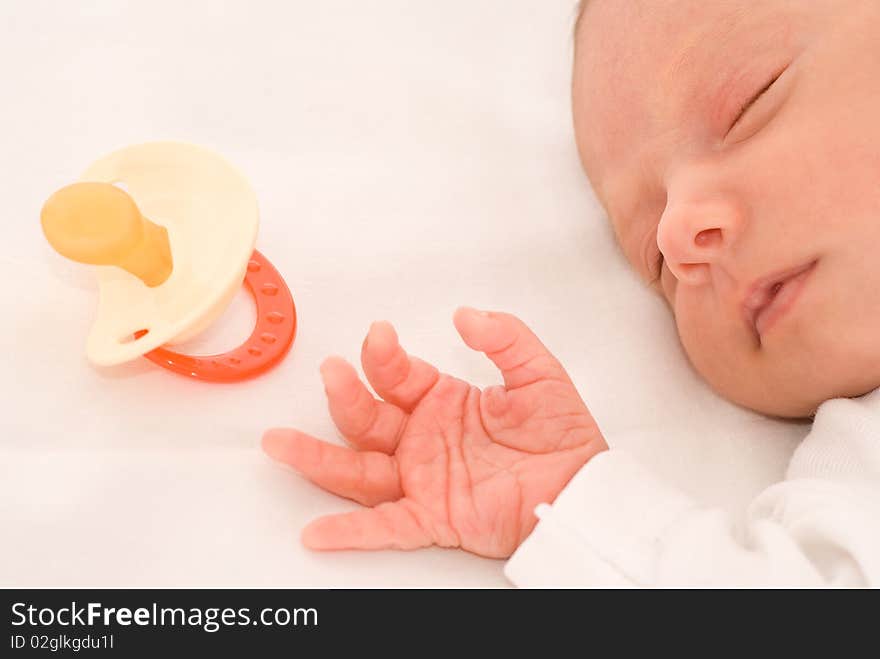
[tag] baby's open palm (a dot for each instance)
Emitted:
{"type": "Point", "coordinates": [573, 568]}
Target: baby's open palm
{"type": "Point", "coordinates": [437, 461]}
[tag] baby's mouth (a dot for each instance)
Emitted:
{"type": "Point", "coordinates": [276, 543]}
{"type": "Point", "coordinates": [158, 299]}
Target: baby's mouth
{"type": "Point", "coordinates": [770, 297]}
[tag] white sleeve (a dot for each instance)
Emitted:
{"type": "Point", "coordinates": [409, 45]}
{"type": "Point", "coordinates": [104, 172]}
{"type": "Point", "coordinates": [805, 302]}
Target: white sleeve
{"type": "Point", "coordinates": [616, 524]}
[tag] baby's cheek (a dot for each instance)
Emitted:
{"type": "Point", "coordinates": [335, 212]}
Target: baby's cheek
{"type": "Point", "coordinates": [727, 356]}
{"type": "Point", "coordinates": [718, 346]}
{"type": "Point", "coordinates": [668, 286]}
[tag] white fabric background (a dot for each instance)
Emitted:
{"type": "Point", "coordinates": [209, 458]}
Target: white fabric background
{"type": "Point", "coordinates": [409, 157]}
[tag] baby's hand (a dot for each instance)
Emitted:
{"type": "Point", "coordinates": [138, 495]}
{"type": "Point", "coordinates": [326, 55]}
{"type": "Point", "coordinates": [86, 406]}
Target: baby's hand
{"type": "Point", "coordinates": [439, 462]}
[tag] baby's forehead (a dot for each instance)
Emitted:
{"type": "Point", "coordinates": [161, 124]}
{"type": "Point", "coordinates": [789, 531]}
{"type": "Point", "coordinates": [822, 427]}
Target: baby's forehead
{"type": "Point", "coordinates": [644, 68]}
{"type": "Point", "coordinates": [648, 73]}
{"type": "Point", "coordinates": [650, 33]}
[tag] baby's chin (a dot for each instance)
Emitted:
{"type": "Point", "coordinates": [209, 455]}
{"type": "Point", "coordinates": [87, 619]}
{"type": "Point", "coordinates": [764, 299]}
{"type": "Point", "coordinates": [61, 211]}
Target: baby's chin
{"type": "Point", "coordinates": [784, 405]}
{"type": "Point", "coordinates": [791, 399]}
{"type": "Point", "coordinates": [788, 378]}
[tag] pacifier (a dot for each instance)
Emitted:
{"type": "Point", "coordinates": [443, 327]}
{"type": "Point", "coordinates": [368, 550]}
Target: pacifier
{"type": "Point", "coordinates": [170, 230]}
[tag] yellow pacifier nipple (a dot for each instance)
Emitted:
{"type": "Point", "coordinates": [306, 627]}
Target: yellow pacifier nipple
{"type": "Point", "coordinates": [99, 223]}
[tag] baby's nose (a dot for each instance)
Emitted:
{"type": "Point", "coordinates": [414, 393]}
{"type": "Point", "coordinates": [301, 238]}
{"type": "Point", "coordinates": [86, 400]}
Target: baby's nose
{"type": "Point", "coordinates": [695, 237]}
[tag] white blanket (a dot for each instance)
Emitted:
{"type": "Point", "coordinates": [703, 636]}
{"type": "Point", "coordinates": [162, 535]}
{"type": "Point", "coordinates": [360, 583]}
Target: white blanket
{"type": "Point", "coordinates": [409, 157]}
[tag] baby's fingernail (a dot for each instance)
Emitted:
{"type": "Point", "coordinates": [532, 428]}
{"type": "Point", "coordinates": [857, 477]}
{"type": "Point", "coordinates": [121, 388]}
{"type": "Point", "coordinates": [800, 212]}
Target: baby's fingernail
{"type": "Point", "coordinates": [382, 340]}
{"type": "Point", "coordinates": [311, 536]}
{"type": "Point", "coordinates": [331, 367]}
{"type": "Point", "coordinates": [274, 442]}
{"type": "Point", "coordinates": [379, 325]}
{"type": "Point", "coordinates": [479, 312]}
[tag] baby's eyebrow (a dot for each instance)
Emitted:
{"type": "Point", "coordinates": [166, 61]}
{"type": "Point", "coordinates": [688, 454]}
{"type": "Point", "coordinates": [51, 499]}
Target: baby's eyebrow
{"type": "Point", "coordinates": [714, 39]}
{"type": "Point", "coordinates": [712, 60]}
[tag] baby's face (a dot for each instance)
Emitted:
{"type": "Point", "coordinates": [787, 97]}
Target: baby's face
{"type": "Point", "coordinates": [735, 145]}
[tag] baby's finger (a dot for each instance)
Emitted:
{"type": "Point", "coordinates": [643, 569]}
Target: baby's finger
{"type": "Point", "coordinates": [367, 423]}
{"type": "Point", "coordinates": [511, 345]}
{"type": "Point", "coordinates": [388, 526]}
{"type": "Point", "coordinates": [398, 378]}
{"type": "Point", "coordinates": [367, 477]}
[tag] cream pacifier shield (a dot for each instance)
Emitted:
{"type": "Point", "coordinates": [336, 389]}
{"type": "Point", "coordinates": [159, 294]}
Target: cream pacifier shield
{"type": "Point", "coordinates": [211, 215]}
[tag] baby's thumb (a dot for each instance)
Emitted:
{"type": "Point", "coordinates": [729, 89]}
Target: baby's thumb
{"type": "Point", "coordinates": [510, 344]}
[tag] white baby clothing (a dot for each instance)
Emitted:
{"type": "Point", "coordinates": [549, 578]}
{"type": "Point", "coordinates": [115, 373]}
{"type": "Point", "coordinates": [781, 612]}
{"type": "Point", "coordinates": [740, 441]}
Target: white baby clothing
{"type": "Point", "coordinates": [616, 524]}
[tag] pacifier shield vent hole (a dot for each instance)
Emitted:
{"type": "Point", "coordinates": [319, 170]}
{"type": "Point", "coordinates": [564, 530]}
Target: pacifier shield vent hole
{"type": "Point", "coordinates": [229, 331]}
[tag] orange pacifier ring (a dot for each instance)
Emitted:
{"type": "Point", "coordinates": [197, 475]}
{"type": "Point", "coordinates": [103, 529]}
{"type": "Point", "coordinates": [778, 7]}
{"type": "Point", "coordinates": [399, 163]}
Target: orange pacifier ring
{"type": "Point", "coordinates": [271, 339]}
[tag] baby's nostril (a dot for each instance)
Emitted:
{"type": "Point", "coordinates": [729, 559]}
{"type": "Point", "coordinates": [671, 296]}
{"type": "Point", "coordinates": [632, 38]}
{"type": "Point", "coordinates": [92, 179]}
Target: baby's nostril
{"type": "Point", "coordinates": [708, 238]}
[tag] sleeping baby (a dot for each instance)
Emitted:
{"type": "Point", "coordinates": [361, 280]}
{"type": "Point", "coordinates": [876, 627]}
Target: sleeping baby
{"type": "Point", "coordinates": [735, 146]}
